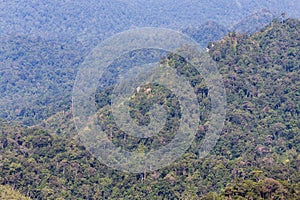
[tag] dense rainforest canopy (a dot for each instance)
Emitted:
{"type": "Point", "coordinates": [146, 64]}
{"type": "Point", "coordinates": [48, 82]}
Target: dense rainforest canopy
{"type": "Point", "coordinates": [256, 157]}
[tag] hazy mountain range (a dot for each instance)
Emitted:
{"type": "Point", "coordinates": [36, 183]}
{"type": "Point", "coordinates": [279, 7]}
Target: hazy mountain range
{"type": "Point", "coordinates": [43, 42]}
{"type": "Point", "coordinates": [256, 157]}
{"type": "Point", "coordinates": [255, 45]}
{"type": "Point", "coordinates": [88, 19]}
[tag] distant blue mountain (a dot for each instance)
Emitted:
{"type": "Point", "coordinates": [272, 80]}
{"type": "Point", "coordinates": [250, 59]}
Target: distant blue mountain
{"type": "Point", "coordinates": [92, 19]}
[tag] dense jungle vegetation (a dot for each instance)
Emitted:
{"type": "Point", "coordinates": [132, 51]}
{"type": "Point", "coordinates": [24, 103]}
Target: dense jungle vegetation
{"type": "Point", "coordinates": [43, 43]}
{"type": "Point", "coordinates": [256, 157]}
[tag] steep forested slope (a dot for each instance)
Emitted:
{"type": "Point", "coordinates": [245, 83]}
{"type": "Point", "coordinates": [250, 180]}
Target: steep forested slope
{"type": "Point", "coordinates": [257, 156]}
{"type": "Point", "coordinates": [261, 73]}
{"type": "Point", "coordinates": [42, 43]}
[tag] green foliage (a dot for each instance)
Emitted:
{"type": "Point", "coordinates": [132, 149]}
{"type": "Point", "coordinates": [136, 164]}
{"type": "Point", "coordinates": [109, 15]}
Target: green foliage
{"type": "Point", "coordinates": [257, 156]}
{"type": "Point", "coordinates": [208, 32]}
{"type": "Point", "coordinates": [34, 75]}
{"type": "Point", "coordinates": [7, 193]}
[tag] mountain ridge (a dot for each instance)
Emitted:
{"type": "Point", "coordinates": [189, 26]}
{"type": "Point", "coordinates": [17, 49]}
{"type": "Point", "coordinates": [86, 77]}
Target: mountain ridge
{"type": "Point", "coordinates": [257, 155]}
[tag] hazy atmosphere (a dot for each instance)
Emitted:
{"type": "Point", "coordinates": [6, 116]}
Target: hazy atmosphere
{"type": "Point", "coordinates": [148, 99]}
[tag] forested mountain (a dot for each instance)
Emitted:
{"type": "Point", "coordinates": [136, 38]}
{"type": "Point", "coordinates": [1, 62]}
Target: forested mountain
{"type": "Point", "coordinates": [42, 43]}
{"type": "Point", "coordinates": [85, 19]}
{"type": "Point", "coordinates": [35, 73]}
{"type": "Point", "coordinates": [207, 32]}
{"type": "Point", "coordinates": [254, 22]}
{"type": "Point", "coordinates": [227, 13]}
{"type": "Point", "coordinates": [62, 18]}
{"type": "Point", "coordinates": [213, 31]}
{"type": "Point", "coordinates": [256, 157]}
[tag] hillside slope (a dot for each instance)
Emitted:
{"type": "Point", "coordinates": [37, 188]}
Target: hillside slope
{"type": "Point", "coordinates": [257, 156]}
{"type": "Point", "coordinates": [42, 43]}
